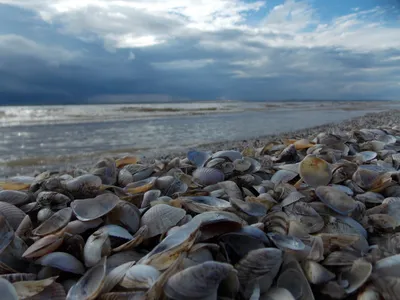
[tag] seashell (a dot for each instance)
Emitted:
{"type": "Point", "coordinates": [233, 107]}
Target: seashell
{"type": "Point", "coordinates": [340, 258]}
{"type": "Point", "coordinates": [200, 204]}
{"type": "Point", "coordinates": [7, 290]}
{"type": "Point", "coordinates": [357, 275]}
{"type": "Point", "coordinates": [283, 176]}
{"type": "Point", "coordinates": [97, 246]}
{"type": "Point", "coordinates": [335, 199]}
{"type": "Point", "coordinates": [126, 160]}
{"type": "Point", "coordinates": [231, 189]}
{"type": "Point", "coordinates": [116, 231]}
{"type": "Point", "coordinates": [90, 284]}
{"type": "Point", "coordinates": [27, 289]}
{"type": "Point", "coordinates": [292, 272]}
{"type": "Point", "coordinates": [343, 188]}
{"type": "Point", "coordinates": [208, 176]}
{"type": "Point", "coordinates": [258, 263]}
{"type": "Point", "coordinates": [242, 165]}
{"type": "Point", "coordinates": [115, 276]}
{"type": "Point", "coordinates": [106, 169]}
{"type": "Point", "coordinates": [141, 186]}
{"type": "Point", "coordinates": [199, 158]}
{"type": "Point", "coordinates": [126, 215]}
{"type": "Point", "coordinates": [306, 215]}
{"type": "Point", "coordinates": [13, 214]}
{"type": "Point", "coordinates": [43, 246]}
{"type": "Point", "coordinates": [333, 289]}
{"type": "Point", "coordinates": [150, 196]}
{"type": "Point", "coordinates": [90, 209]}
{"type": "Point", "coordinates": [19, 277]}
{"type": "Point", "coordinates": [6, 233]}
{"type": "Point", "coordinates": [63, 261]}
{"type": "Point", "coordinates": [249, 208]}
{"type": "Point", "coordinates": [44, 214]}
{"type": "Point", "coordinates": [136, 240]}
{"type": "Point", "coordinates": [161, 257]}
{"type": "Point", "coordinates": [315, 171]}
{"type": "Point", "coordinates": [122, 257]}
{"type": "Point", "coordinates": [160, 218]}
{"type": "Point", "coordinates": [78, 227]}
{"type": "Point", "coordinates": [197, 282]}
{"type": "Point", "coordinates": [55, 223]}
{"type": "Point", "coordinates": [54, 291]}
{"type": "Point", "coordinates": [288, 154]}
{"type": "Point", "coordinates": [16, 198]}
{"type": "Point", "coordinates": [316, 273]}
{"type": "Point", "coordinates": [52, 199]}
{"type": "Point", "coordinates": [85, 185]}
{"type": "Point", "coordinates": [232, 155]}
{"type": "Point", "coordinates": [124, 177]}
{"type": "Point", "coordinates": [285, 242]}
{"type": "Point", "coordinates": [367, 155]}
{"type": "Point", "coordinates": [278, 294]}
{"type": "Point", "coordinates": [140, 277]}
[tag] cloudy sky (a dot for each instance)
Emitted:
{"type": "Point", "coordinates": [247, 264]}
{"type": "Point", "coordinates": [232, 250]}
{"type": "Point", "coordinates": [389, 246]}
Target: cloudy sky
{"type": "Point", "coordinates": [65, 51]}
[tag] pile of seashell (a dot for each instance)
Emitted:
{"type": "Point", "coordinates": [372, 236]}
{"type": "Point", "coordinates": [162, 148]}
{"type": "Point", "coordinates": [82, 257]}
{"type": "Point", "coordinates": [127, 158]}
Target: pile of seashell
{"type": "Point", "coordinates": [306, 219]}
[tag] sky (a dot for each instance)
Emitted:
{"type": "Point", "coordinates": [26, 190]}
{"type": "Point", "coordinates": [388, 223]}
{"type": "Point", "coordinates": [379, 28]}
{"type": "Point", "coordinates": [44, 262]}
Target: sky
{"type": "Point", "coordinates": [100, 51]}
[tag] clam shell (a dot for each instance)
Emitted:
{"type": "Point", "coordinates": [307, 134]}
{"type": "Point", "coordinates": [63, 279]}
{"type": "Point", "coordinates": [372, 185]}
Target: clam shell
{"type": "Point", "coordinates": [198, 158]}
{"type": "Point", "coordinates": [106, 169]}
{"type": "Point", "coordinates": [90, 209]}
{"type": "Point", "coordinates": [285, 242]}
{"type": "Point", "coordinates": [197, 282]}
{"type": "Point", "coordinates": [357, 275]}
{"type": "Point", "coordinates": [97, 246]}
{"type": "Point", "coordinates": [43, 246]}
{"type": "Point", "coordinates": [315, 171]}
{"type": "Point", "coordinates": [55, 223]}
{"type": "Point", "coordinates": [78, 227]}
{"type": "Point", "coordinates": [162, 256]}
{"type": "Point", "coordinates": [201, 204]}
{"type": "Point", "coordinates": [241, 165]}
{"type": "Point", "coordinates": [85, 185]}
{"type": "Point", "coordinates": [6, 233]}
{"type": "Point", "coordinates": [160, 218]}
{"type": "Point", "coordinates": [44, 214]}
{"type": "Point", "coordinates": [232, 155]}
{"type": "Point", "coordinates": [126, 160]}
{"type": "Point", "coordinates": [278, 294]}
{"type": "Point", "coordinates": [55, 291]}
{"type": "Point", "coordinates": [117, 231]}
{"type": "Point", "coordinates": [124, 177]}
{"type": "Point", "coordinates": [7, 290]}
{"type": "Point", "coordinates": [27, 289]}
{"type": "Point", "coordinates": [150, 196]}
{"type": "Point", "coordinates": [306, 215]}
{"type": "Point", "coordinates": [14, 277]}
{"type": "Point", "coordinates": [336, 200]}
{"type": "Point", "coordinates": [141, 186]}
{"type": "Point", "coordinates": [140, 277]}
{"type": "Point", "coordinates": [13, 214]}
{"type": "Point", "coordinates": [52, 199]}
{"type": "Point", "coordinates": [258, 263]}
{"type": "Point", "coordinates": [90, 284]}
{"type": "Point", "coordinates": [115, 276]}
{"type": "Point", "coordinates": [16, 198]}
{"type": "Point", "coordinates": [316, 273]}
{"type": "Point", "coordinates": [283, 176]}
{"type": "Point", "coordinates": [231, 189]}
{"type": "Point", "coordinates": [126, 215]}
{"type": "Point", "coordinates": [208, 176]}
{"type": "Point", "coordinates": [63, 261]}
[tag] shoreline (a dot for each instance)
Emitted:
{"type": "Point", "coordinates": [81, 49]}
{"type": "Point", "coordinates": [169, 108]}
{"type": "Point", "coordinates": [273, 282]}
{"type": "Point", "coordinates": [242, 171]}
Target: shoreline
{"type": "Point", "coordinates": [385, 118]}
{"type": "Point", "coordinates": [148, 155]}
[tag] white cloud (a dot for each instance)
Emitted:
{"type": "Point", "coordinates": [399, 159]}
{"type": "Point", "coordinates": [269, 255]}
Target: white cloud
{"type": "Point", "coordinates": [11, 44]}
{"type": "Point", "coordinates": [183, 64]}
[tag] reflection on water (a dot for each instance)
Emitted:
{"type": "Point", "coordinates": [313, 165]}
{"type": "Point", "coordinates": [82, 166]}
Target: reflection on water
{"type": "Point", "coordinates": [22, 148]}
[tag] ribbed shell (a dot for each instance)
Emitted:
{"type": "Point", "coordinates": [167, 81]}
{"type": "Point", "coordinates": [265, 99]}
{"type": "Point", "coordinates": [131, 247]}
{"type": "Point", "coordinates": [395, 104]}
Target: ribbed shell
{"type": "Point", "coordinates": [13, 214]}
{"type": "Point", "coordinates": [14, 197]}
{"type": "Point", "coordinates": [208, 176]}
{"type": "Point", "coordinates": [160, 218]}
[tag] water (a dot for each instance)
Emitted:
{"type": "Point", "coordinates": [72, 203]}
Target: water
{"type": "Point", "coordinates": [36, 138]}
